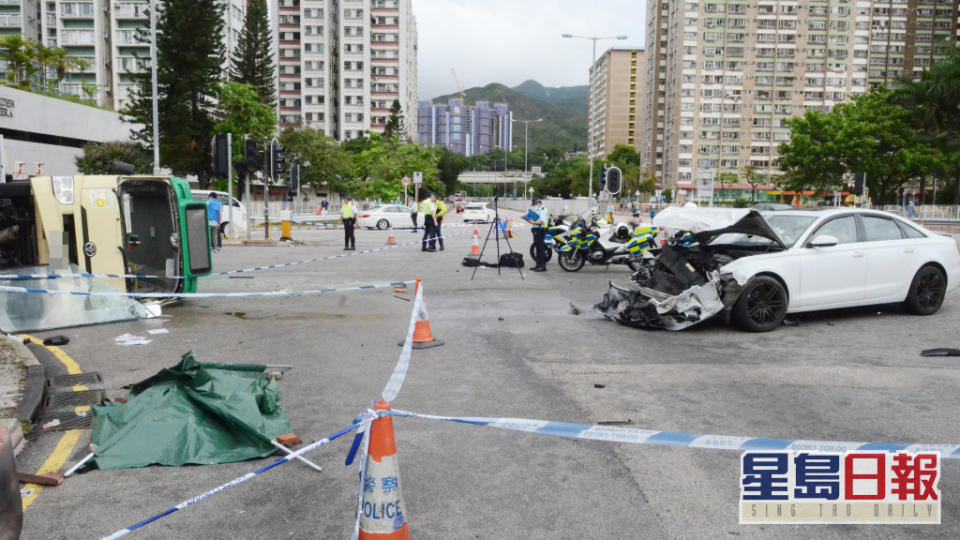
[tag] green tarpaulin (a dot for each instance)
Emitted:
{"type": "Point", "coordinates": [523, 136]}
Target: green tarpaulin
{"type": "Point", "coordinates": [194, 413]}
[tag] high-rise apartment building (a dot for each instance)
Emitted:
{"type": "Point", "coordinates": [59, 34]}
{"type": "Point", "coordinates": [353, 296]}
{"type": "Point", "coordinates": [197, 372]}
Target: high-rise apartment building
{"type": "Point", "coordinates": [342, 64]}
{"type": "Point", "coordinates": [614, 102]}
{"type": "Point", "coordinates": [723, 76]}
{"type": "Point", "coordinates": [464, 129]}
{"type": "Point", "coordinates": [107, 35]}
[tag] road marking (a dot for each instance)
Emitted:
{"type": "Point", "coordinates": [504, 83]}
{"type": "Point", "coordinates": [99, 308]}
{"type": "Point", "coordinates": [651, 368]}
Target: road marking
{"type": "Point", "coordinates": [69, 439]}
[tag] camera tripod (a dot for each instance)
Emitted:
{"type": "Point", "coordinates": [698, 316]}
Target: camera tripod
{"type": "Point", "coordinates": [495, 229]}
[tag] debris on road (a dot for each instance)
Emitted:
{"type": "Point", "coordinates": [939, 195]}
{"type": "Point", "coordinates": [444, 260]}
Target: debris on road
{"type": "Point", "coordinates": [129, 339]}
{"type": "Point", "coordinates": [56, 341]}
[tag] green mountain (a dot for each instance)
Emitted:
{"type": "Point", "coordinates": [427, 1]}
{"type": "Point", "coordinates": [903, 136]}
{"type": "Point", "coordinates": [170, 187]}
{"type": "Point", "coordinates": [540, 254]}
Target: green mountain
{"type": "Point", "coordinates": [571, 98]}
{"type": "Point", "coordinates": [564, 119]}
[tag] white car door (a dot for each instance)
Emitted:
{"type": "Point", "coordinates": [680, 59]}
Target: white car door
{"type": "Point", "coordinates": [833, 276]}
{"type": "Point", "coordinates": [890, 259]}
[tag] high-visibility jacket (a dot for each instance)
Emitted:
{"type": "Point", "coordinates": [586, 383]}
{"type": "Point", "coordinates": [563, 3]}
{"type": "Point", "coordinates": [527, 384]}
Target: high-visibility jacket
{"type": "Point", "coordinates": [348, 211]}
{"type": "Point", "coordinates": [428, 207]}
{"type": "Point", "coordinates": [414, 208]}
{"type": "Point", "coordinates": [441, 209]}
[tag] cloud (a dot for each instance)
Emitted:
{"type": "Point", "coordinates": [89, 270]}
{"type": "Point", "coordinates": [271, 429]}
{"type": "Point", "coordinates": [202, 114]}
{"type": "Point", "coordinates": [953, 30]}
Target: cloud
{"type": "Point", "coordinates": [510, 41]}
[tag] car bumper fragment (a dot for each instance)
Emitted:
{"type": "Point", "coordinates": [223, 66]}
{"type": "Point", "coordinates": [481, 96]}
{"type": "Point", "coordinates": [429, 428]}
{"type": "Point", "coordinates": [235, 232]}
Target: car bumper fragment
{"type": "Point", "coordinates": [642, 307]}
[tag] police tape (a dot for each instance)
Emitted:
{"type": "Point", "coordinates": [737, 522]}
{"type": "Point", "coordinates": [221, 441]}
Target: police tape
{"type": "Point", "coordinates": [267, 294]}
{"type": "Point", "coordinates": [235, 482]}
{"type": "Point", "coordinates": [681, 440]}
{"type": "Point", "coordinates": [64, 275]}
{"type": "Point", "coordinates": [329, 257]}
{"type": "Point", "coordinates": [393, 386]}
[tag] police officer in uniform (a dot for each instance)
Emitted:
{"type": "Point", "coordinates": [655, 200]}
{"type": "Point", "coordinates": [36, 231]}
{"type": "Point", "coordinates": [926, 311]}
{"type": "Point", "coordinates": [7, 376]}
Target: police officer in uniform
{"type": "Point", "coordinates": [539, 234]}
{"type": "Point", "coordinates": [429, 210]}
{"type": "Point", "coordinates": [441, 211]}
{"type": "Point", "coordinates": [348, 216]}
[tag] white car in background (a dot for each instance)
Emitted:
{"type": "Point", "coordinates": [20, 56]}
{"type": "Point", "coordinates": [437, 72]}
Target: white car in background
{"type": "Point", "coordinates": [239, 210]}
{"type": "Point", "coordinates": [478, 212]}
{"type": "Point", "coordinates": [760, 267]}
{"type": "Point", "coordinates": [386, 216]}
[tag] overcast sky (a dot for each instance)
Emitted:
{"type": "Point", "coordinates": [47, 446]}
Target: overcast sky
{"type": "Point", "coordinates": [510, 41]}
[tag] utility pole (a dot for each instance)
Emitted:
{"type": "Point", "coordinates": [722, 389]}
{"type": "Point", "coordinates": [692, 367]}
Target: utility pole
{"type": "Point", "coordinates": [153, 77]}
{"type": "Point", "coordinates": [230, 180]}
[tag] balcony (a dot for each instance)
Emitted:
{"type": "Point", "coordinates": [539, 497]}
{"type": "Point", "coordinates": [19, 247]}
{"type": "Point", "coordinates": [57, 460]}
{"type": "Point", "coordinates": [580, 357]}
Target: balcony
{"type": "Point", "coordinates": [131, 10]}
{"type": "Point", "coordinates": [11, 21]}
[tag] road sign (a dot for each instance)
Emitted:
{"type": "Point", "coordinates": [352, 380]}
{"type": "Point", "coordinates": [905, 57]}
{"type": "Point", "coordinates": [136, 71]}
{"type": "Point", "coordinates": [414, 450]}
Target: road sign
{"type": "Point", "coordinates": [418, 178]}
{"type": "Point", "coordinates": [406, 181]}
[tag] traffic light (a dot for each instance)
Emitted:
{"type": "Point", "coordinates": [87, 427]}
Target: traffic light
{"type": "Point", "coordinates": [295, 179]}
{"type": "Point", "coordinates": [859, 182]}
{"type": "Point", "coordinates": [277, 160]}
{"type": "Point", "coordinates": [220, 155]}
{"type": "Point", "coordinates": [250, 163]}
{"type": "Point", "coordinates": [602, 178]}
{"type": "Point", "coordinates": [614, 180]}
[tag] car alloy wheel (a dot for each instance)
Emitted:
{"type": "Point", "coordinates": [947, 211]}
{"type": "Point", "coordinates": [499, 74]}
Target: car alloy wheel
{"type": "Point", "coordinates": [927, 291]}
{"type": "Point", "coordinates": [762, 306]}
{"type": "Point", "coordinates": [383, 224]}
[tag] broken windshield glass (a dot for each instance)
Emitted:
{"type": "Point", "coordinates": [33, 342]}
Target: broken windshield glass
{"type": "Point", "coordinates": [23, 312]}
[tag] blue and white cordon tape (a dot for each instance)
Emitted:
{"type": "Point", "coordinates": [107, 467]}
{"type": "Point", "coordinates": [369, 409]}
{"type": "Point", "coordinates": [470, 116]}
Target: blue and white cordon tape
{"type": "Point", "coordinates": [682, 440]}
{"type": "Point", "coordinates": [266, 294]}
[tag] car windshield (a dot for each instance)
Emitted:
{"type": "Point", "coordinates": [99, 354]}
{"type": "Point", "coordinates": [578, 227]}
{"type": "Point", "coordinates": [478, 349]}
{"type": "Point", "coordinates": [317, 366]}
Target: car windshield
{"type": "Point", "coordinates": [788, 228]}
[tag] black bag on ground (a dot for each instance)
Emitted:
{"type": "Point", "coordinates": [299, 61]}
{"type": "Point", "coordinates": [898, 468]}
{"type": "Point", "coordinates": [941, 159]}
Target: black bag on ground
{"type": "Point", "coordinates": [471, 262]}
{"type": "Point", "coordinates": [511, 260]}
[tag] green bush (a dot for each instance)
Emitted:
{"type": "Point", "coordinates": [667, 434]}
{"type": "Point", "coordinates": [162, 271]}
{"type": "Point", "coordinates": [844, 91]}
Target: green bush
{"type": "Point", "coordinates": [741, 203]}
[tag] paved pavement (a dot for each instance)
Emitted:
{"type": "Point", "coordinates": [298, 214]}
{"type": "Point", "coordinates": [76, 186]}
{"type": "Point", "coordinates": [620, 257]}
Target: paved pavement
{"type": "Point", "coordinates": [513, 348]}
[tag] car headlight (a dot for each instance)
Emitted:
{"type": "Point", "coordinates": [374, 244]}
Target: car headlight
{"type": "Point", "coordinates": [63, 189]}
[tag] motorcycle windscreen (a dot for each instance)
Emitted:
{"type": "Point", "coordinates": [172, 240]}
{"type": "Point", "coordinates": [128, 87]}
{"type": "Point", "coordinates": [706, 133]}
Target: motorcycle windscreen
{"type": "Point", "coordinates": [33, 311]}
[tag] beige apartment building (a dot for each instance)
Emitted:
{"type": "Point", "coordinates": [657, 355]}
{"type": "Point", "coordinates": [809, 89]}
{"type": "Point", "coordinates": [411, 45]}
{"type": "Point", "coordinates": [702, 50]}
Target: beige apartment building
{"type": "Point", "coordinates": [723, 76]}
{"type": "Point", "coordinates": [614, 103]}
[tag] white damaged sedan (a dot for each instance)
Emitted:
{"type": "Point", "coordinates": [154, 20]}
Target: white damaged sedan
{"type": "Point", "coordinates": [756, 268]}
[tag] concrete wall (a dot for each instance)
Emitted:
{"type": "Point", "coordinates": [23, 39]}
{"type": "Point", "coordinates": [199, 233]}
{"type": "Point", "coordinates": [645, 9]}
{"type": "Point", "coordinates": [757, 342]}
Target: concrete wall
{"type": "Point", "coordinates": [40, 129]}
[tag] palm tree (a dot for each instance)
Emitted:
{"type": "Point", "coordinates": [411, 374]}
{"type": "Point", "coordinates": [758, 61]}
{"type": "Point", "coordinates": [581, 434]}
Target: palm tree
{"type": "Point", "coordinates": [19, 54]}
{"type": "Point", "coordinates": [61, 61]}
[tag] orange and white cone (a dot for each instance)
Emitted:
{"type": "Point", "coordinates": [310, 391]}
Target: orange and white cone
{"type": "Point", "coordinates": [475, 250]}
{"type": "Point", "coordinates": [391, 240]}
{"type": "Point", "coordinates": [509, 233]}
{"type": "Point", "coordinates": [422, 336]}
{"type": "Point", "coordinates": [381, 512]}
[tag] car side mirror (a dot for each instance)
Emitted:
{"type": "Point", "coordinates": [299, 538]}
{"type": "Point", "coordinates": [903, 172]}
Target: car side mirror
{"type": "Point", "coordinates": [822, 241]}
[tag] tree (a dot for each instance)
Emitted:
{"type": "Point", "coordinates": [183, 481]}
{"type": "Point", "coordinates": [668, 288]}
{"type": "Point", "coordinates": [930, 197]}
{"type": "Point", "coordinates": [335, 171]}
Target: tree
{"type": "Point", "coordinates": [324, 164]}
{"type": "Point", "coordinates": [240, 113]}
{"type": "Point", "coordinates": [725, 178]}
{"type": "Point", "coordinates": [252, 60]}
{"type": "Point", "coordinates": [98, 158]}
{"type": "Point", "coordinates": [450, 165]}
{"type": "Point", "coordinates": [754, 178]}
{"type": "Point", "coordinates": [189, 56]}
{"type": "Point", "coordinates": [395, 125]}
{"type": "Point", "coordinates": [379, 169]}
{"type": "Point", "coordinates": [19, 55]}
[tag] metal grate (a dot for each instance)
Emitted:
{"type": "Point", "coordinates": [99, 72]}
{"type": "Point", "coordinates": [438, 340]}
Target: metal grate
{"type": "Point", "coordinates": [68, 420]}
{"type": "Point", "coordinates": [73, 399]}
{"type": "Point", "coordinates": [72, 380]}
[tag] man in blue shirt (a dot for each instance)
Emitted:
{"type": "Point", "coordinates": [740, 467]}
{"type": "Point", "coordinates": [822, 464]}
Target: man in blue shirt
{"type": "Point", "coordinates": [214, 209]}
{"type": "Point", "coordinates": [539, 234]}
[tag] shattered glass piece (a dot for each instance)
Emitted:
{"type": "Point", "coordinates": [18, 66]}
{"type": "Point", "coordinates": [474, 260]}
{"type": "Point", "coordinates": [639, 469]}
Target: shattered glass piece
{"type": "Point", "coordinates": [25, 312]}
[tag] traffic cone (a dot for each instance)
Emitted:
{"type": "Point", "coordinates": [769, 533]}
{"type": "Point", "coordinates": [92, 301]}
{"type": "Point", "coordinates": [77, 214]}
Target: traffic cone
{"type": "Point", "coordinates": [381, 514]}
{"type": "Point", "coordinates": [475, 250]}
{"type": "Point", "coordinates": [391, 240]}
{"type": "Point", "coordinates": [422, 336]}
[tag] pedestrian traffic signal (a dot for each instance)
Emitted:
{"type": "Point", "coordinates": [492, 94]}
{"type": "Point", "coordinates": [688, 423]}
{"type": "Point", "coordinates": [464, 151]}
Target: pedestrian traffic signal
{"type": "Point", "coordinates": [220, 155]}
{"type": "Point", "coordinates": [251, 161]}
{"type": "Point", "coordinates": [614, 180]}
{"type": "Point", "coordinates": [277, 160]}
{"type": "Point", "coordinates": [602, 178]}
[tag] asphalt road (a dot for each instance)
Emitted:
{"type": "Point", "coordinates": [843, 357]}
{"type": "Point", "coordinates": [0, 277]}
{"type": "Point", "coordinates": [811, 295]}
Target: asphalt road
{"type": "Point", "coordinates": [513, 348]}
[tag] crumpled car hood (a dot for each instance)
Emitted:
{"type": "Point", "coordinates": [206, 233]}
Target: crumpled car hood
{"type": "Point", "coordinates": [705, 224]}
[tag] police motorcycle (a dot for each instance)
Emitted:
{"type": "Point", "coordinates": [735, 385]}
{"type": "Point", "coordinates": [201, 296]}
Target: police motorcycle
{"type": "Point", "coordinates": [557, 235]}
{"type": "Point", "coordinates": [588, 243]}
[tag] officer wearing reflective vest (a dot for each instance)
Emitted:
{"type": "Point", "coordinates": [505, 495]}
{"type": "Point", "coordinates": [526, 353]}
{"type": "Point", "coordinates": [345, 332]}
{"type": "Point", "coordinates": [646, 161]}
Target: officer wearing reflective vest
{"type": "Point", "coordinates": [441, 211]}
{"type": "Point", "coordinates": [429, 210]}
{"type": "Point", "coordinates": [539, 235]}
{"type": "Point", "coordinates": [348, 216]}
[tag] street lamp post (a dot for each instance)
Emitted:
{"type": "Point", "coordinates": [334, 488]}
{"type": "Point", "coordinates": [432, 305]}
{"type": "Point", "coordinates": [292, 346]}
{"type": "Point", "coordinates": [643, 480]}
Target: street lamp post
{"type": "Point", "coordinates": [594, 39]}
{"type": "Point", "coordinates": [153, 78]}
{"type": "Point", "coordinates": [526, 126]}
